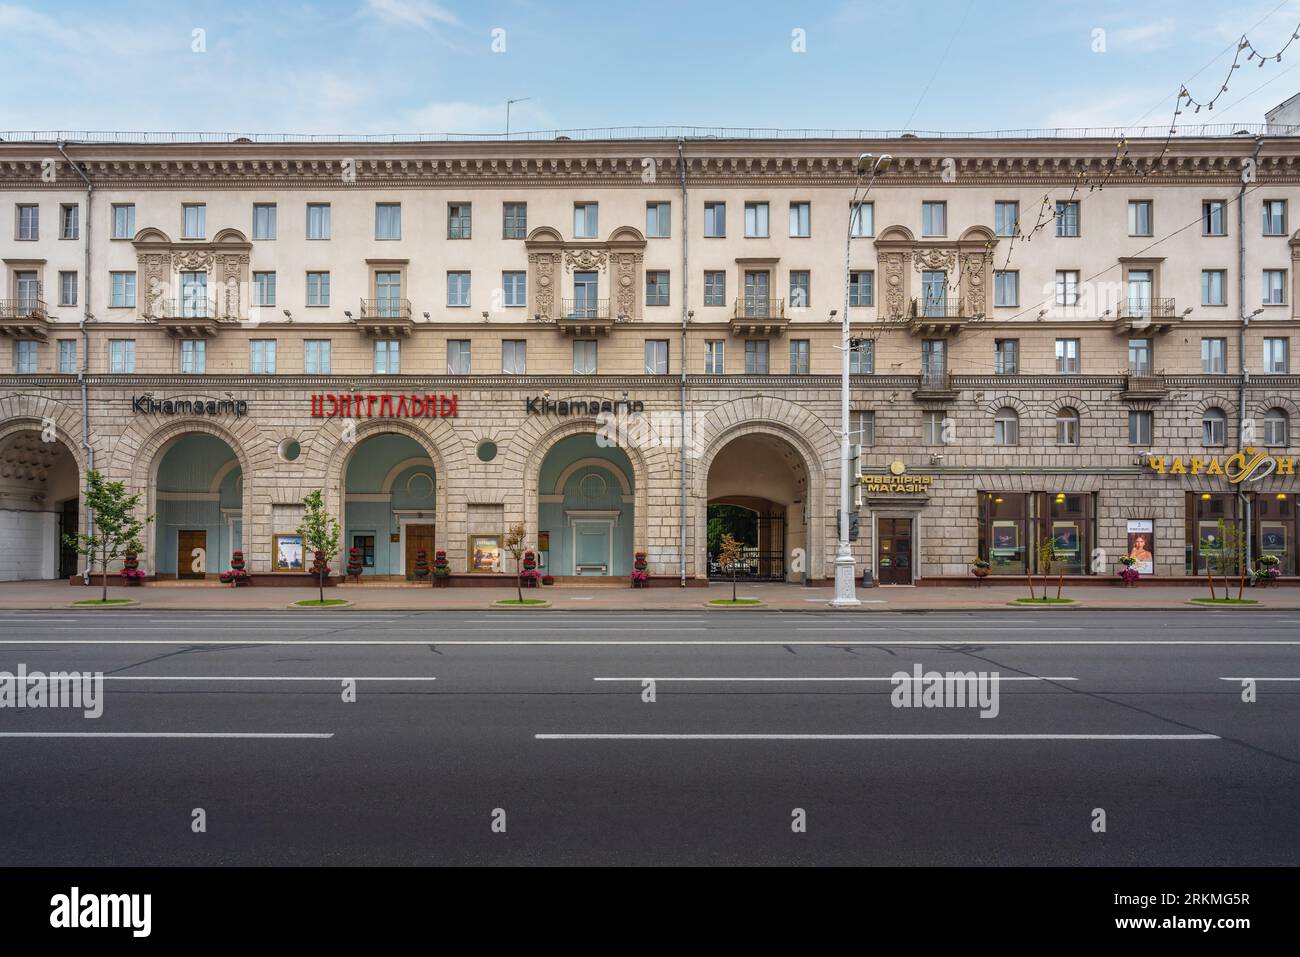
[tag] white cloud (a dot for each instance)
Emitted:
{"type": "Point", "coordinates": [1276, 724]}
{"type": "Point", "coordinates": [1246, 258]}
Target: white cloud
{"type": "Point", "coordinates": [424, 14]}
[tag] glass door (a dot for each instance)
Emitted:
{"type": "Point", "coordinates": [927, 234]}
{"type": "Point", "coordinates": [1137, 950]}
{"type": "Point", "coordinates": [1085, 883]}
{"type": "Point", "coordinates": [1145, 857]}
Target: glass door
{"type": "Point", "coordinates": [934, 293]}
{"type": "Point", "coordinates": [586, 285]}
{"type": "Point", "coordinates": [1139, 292]}
{"type": "Point", "coordinates": [26, 290]}
{"type": "Point", "coordinates": [757, 293]}
{"type": "Point", "coordinates": [388, 294]}
{"type": "Point", "coordinates": [194, 295]}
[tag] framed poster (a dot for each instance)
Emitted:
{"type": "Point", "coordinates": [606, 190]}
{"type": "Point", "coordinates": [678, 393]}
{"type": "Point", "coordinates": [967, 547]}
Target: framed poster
{"type": "Point", "coordinates": [1272, 538]}
{"type": "Point", "coordinates": [1142, 545]}
{"type": "Point", "coordinates": [543, 541]}
{"type": "Point", "coordinates": [288, 552]}
{"type": "Point", "coordinates": [484, 553]}
{"type": "Point", "coordinates": [1006, 538]}
{"type": "Point", "coordinates": [1065, 535]}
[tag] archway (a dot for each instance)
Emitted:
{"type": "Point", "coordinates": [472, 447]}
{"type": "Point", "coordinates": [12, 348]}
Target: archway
{"type": "Point", "coordinates": [198, 503]}
{"type": "Point", "coordinates": [39, 495]}
{"type": "Point", "coordinates": [390, 495]}
{"type": "Point", "coordinates": [586, 511]}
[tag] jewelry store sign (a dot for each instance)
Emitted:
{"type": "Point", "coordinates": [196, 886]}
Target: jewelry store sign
{"type": "Point", "coordinates": [895, 481]}
{"type": "Point", "coordinates": [1247, 465]}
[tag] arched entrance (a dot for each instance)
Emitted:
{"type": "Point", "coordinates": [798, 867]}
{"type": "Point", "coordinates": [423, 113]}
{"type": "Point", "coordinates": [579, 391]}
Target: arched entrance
{"type": "Point", "coordinates": [586, 512]}
{"type": "Point", "coordinates": [390, 494]}
{"type": "Point", "coordinates": [758, 493]}
{"type": "Point", "coordinates": [199, 491]}
{"type": "Point", "coordinates": [39, 492]}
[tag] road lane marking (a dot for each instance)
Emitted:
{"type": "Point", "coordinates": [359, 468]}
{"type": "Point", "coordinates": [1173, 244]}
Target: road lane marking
{"type": "Point", "coordinates": [649, 642]}
{"type": "Point", "coordinates": [1259, 679]}
{"type": "Point", "coordinates": [162, 734]}
{"type": "Point", "coordinates": [258, 678]}
{"type": "Point", "coordinates": [846, 678]}
{"type": "Point", "coordinates": [599, 736]}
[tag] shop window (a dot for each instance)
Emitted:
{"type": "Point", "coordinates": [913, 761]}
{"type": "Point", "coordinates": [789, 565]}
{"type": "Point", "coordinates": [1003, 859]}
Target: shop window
{"type": "Point", "coordinates": [1275, 529]}
{"type": "Point", "coordinates": [1205, 513]}
{"type": "Point", "coordinates": [1066, 518]}
{"type": "Point", "coordinates": [1003, 531]}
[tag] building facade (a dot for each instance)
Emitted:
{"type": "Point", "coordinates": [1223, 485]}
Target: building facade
{"type": "Point", "coordinates": [606, 341]}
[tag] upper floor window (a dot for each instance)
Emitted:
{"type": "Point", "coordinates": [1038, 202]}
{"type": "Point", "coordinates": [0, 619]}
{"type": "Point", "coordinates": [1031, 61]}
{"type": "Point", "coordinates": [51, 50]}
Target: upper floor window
{"type": "Point", "coordinates": [934, 218]}
{"type": "Point", "coordinates": [1140, 428]}
{"type": "Point", "coordinates": [658, 220]}
{"type": "Point", "coordinates": [1067, 287]}
{"type": "Point", "coordinates": [715, 352]}
{"type": "Point", "coordinates": [458, 288]}
{"type": "Point", "coordinates": [862, 287]}
{"type": "Point", "coordinates": [264, 220]}
{"type": "Point", "coordinates": [1006, 356]}
{"type": "Point", "coordinates": [1139, 217]}
{"type": "Point", "coordinates": [1275, 217]}
{"type": "Point", "coordinates": [800, 288]}
{"type": "Point", "coordinates": [195, 225]}
{"type": "Point", "coordinates": [585, 220]}
{"type": "Point", "coordinates": [801, 220]}
{"type": "Point", "coordinates": [388, 356]}
{"type": "Point", "coordinates": [932, 427]}
{"type": "Point", "coordinates": [26, 355]}
{"type": "Point", "coordinates": [458, 357]}
{"type": "Point", "coordinates": [1214, 356]}
{"type": "Point", "coordinates": [194, 356]}
{"type": "Point", "coordinates": [514, 288]}
{"type": "Point", "coordinates": [800, 356]}
{"type": "Point", "coordinates": [862, 220]}
{"type": "Point", "coordinates": [1006, 427]}
{"type": "Point", "coordinates": [318, 220]}
{"type": "Point", "coordinates": [318, 289]}
{"type": "Point", "coordinates": [1214, 427]}
{"type": "Point", "coordinates": [756, 356]}
{"type": "Point", "coordinates": [584, 356]}
{"type": "Point", "coordinates": [514, 356]}
{"type": "Point", "coordinates": [1214, 287]}
{"type": "Point", "coordinates": [28, 226]}
{"type": "Point", "coordinates": [316, 357]}
{"type": "Point", "coordinates": [1214, 218]}
{"type": "Point", "coordinates": [656, 287]}
{"type": "Point", "coordinates": [121, 355]}
{"type": "Point", "coordinates": [715, 220]}
{"type": "Point", "coordinates": [715, 287]}
{"type": "Point", "coordinates": [124, 220]}
{"type": "Point", "coordinates": [459, 221]}
{"type": "Point", "coordinates": [388, 221]}
{"type": "Point", "coordinates": [1006, 217]}
{"type": "Point", "coordinates": [1139, 356]}
{"type": "Point", "coordinates": [264, 289]}
{"type": "Point", "coordinates": [261, 356]}
{"type": "Point", "coordinates": [1006, 287]}
{"type": "Point", "coordinates": [1067, 427]}
{"type": "Point", "coordinates": [1277, 359]}
{"type": "Point", "coordinates": [862, 356]}
{"type": "Point", "coordinates": [67, 355]}
{"type": "Point", "coordinates": [1067, 217]}
{"type": "Point", "coordinates": [514, 221]}
{"type": "Point", "coordinates": [1274, 287]}
{"type": "Point", "coordinates": [862, 427]}
{"type": "Point", "coordinates": [1277, 428]}
{"type": "Point", "coordinates": [1067, 356]}
{"type": "Point", "coordinates": [67, 288]}
{"type": "Point", "coordinates": [69, 221]}
{"type": "Point", "coordinates": [122, 289]}
{"type": "Point", "coordinates": [656, 357]}
{"type": "Point", "coordinates": [756, 220]}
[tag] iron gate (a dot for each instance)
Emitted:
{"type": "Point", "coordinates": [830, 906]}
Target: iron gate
{"type": "Point", "coordinates": [764, 561]}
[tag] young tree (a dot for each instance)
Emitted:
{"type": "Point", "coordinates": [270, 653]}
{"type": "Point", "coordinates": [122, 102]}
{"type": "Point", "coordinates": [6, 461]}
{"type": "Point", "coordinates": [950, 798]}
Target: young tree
{"type": "Point", "coordinates": [117, 530]}
{"type": "Point", "coordinates": [1047, 558]}
{"type": "Point", "coordinates": [730, 552]}
{"type": "Point", "coordinates": [516, 543]}
{"type": "Point", "coordinates": [1235, 541]}
{"type": "Point", "coordinates": [320, 533]}
{"type": "Point", "coordinates": [1212, 553]}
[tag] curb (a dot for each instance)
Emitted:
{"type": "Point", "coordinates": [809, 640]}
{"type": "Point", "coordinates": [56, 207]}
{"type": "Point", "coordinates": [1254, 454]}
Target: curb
{"type": "Point", "coordinates": [1073, 603]}
{"type": "Point", "coordinates": [758, 605]}
{"type": "Point", "coordinates": [125, 603]}
{"type": "Point", "coordinates": [1205, 604]}
{"type": "Point", "coordinates": [297, 607]}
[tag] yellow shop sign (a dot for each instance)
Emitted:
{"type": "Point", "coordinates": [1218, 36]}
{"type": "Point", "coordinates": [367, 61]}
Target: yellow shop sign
{"type": "Point", "coordinates": [897, 480]}
{"type": "Point", "coordinates": [1244, 466]}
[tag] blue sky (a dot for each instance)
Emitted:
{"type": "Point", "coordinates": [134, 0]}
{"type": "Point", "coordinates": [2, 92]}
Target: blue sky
{"type": "Point", "coordinates": [383, 66]}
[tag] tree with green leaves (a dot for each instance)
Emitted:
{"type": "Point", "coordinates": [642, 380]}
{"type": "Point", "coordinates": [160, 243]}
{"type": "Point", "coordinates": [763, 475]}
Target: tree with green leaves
{"type": "Point", "coordinates": [116, 532]}
{"type": "Point", "coordinates": [516, 543]}
{"type": "Point", "coordinates": [320, 533]}
{"type": "Point", "coordinates": [1048, 558]}
{"type": "Point", "coordinates": [730, 554]}
{"type": "Point", "coordinates": [1235, 541]}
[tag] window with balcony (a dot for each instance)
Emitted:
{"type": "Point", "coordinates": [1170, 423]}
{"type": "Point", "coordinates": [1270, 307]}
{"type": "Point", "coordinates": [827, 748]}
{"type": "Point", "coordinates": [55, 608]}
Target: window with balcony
{"type": "Point", "coordinates": [715, 357]}
{"type": "Point", "coordinates": [1214, 218]}
{"type": "Point", "coordinates": [1214, 286]}
{"type": "Point", "coordinates": [194, 356]}
{"type": "Point", "coordinates": [1140, 428]}
{"type": "Point", "coordinates": [264, 220]}
{"type": "Point", "coordinates": [514, 289]}
{"type": "Point", "coordinates": [261, 356]}
{"type": "Point", "coordinates": [715, 220]}
{"type": "Point", "coordinates": [1139, 217]}
{"type": "Point", "coordinates": [514, 356]}
{"type": "Point", "coordinates": [862, 287]}
{"type": "Point", "coordinates": [316, 356]}
{"type": "Point", "coordinates": [1006, 217]}
{"type": "Point", "coordinates": [388, 221]}
{"type": "Point", "coordinates": [318, 221]}
{"type": "Point", "coordinates": [584, 356]}
{"type": "Point", "coordinates": [1067, 218]}
{"type": "Point", "coordinates": [934, 362]}
{"type": "Point", "coordinates": [756, 356]}
{"type": "Point", "coordinates": [318, 289]}
{"type": "Point", "coordinates": [1214, 356]}
{"type": "Point", "coordinates": [1275, 217]}
{"type": "Point", "coordinates": [1214, 428]}
{"type": "Point", "coordinates": [656, 357]}
{"type": "Point", "coordinates": [124, 220]}
{"type": "Point", "coordinates": [800, 356]}
{"type": "Point", "coordinates": [388, 357]}
{"type": "Point", "coordinates": [1006, 356]}
{"type": "Point", "coordinates": [800, 220]}
{"type": "Point", "coordinates": [934, 293]}
{"type": "Point", "coordinates": [934, 218]}
{"type": "Point", "coordinates": [585, 220]}
{"type": "Point", "coordinates": [194, 221]}
{"type": "Point", "coordinates": [715, 287]}
{"type": "Point", "coordinates": [458, 288]}
{"type": "Point", "coordinates": [388, 295]}
{"type": "Point", "coordinates": [194, 295]}
{"type": "Point", "coordinates": [514, 221]}
{"type": "Point", "coordinates": [458, 357]}
{"type": "Point", "coordinates": [656, 287]}
{"type": "Point", "coordinates": [1139, 356]}
{"type": "Point", "coordinates": [756, 220]}
{"type": "Point", "coordinates": [658, 220]}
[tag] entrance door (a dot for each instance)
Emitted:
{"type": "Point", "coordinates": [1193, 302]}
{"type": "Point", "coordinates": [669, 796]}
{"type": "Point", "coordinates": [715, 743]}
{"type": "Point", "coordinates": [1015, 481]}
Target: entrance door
{"type": "Point", "coordinates": [894, 551]}
{"type": "Point", "coordinates": [188, 565]}
{"type": "Point", "coordinates": [757, 301]}
{"type": "Point", "coordinates": [418, 538]}
{"type": "Point", "coordinates": [591, 548]}
{"type": "Point", "coordinates": [67, 526]}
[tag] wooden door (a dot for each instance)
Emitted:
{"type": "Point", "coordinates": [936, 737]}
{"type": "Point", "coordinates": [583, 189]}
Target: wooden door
{"type": "Point", "coordinates": [894, 551]}
{"type": "Point", "coordinates": [187, 564]}
{"type": "Point", "coordinates": [418, 538]}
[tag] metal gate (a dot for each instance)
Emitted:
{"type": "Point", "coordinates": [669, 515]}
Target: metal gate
{"type": "Point", "coordinates": [764, 561]}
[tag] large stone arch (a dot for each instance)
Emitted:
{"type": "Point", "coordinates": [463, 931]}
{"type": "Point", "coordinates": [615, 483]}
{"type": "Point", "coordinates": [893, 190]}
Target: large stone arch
{"type": "Point", "coordinates": [28, 413]}
{"type": "Point", "coordinates": [439, 443]}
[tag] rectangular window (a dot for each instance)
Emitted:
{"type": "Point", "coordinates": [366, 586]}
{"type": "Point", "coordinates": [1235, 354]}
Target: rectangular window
{"type": "Point", "coordinates": [460, 221]}
{"type": "Point", "coordinates": [1277, 355]}
{"type": "Point", "coordinates": [194, 356]}
{"type": "Point", "coordinates": [585, 220]}
{"type": "Point", "coordinates": [514, 221]}
{"type": "Point", "coordinates": [863, 216]}
{"type": "Point", "coordinates": [1274, 287]}
{"type": "Point", "coordinates": [69, 221]}
{"type": "Point", "coordinates": [1006, 217]}
{"type": "Point", "coordinates": [1067, 217]}
{"type": "Point", "coordinates": [458, 288]}
{"type": "Point", "coordinates": [658, 223]}
{"type": "Point", "coordinates": [934, 218]}
{"type": "Point", "coordinates": [1067, 287]}
{"type": "Point", "coordinates": [1139, 356]}
{"type": "Point", "coordinates": [656, 357]}
{"type": "Point", "coordinates": [123, 289]}
{"type": "Point", "coordinates": [934, 360]}
{"type": "Point", "coordinates": [264, 289]}
{"type": "Point", "coordinates": [1006, 287]}
{"type": "Point", "coordinates": [801, 220]}
{"type": "Point", "coordinates": [316, 358]}
{"type": "Point", "coordinates": [67, 356]}
{"type": "Point", "coordinates": [318, 220]}
{"type": "Point", "coordinates": [715, 287]}
{"type": "Point", "coordinates": [194, 295]}
{"type": "Point", "coordinates": [458, 357]}
{"type": "Point", "coordinates": [1214, 218]}
{"type": "Point", "coordinates": [1275, 217]}
{"type": "Point", "coordinates": [365, 546]}
{"type": "Point", "coordinates": [264, 220]}
{"type": "Point", "coordinates": [656, 287]}
{"type": "Point", "coordinates": [388, 356]}
{"type": "Point", "coordinates": [124, 220]}
{"type": "Point", "coordinates": [514, 356]}
{"type": "Point", "coordinates": [195, 216]}
{"type": "Point", "coordinates": [67, 289]}
{"type": "Point", "coordinates": [934, 292]}
{"type": "Point", "coordinates": [1006, 356]}
{"type": "Point", "coordinates": [29, 222]}
{"type": "Point", "coordinates": [1214, 428]}
{"type": "Point", "coordinates": [1067, 356]}
{"type": "Point", "coordinates": [799, 357]}
{"type": "Point", "coordinates": [261, 356]}
{"type": "Point", "coordinates": [756, 355]}
{"type": "Point", "coordinates": [932, 428]}
{"type": "Point", "coordinates": [584, 356]}
{"type": "Point", "coordinates": [1214, 284]}
{"type": "Point", "coordinates": [756, 225]}
{"type": "Point", "coordinates": [1214, 356]}
{"type": "Point", "coordinates": [388, 221]}
{"type": "Point", "coordinates": [318, 289]}
{"type": "Point", "coordinates": [862, 356]}
{"type": "Point", "coordinates": [862, 427]}
{"type": "Point", "coordinates": [121, 355]}
{"type": "Point", "coordinates": [1140, 428]}
{"type": "Point", "coordinates": [862, 288]}
{"type": "Point", "coordinates": [715, 220]}
{"type": "Point", "coordinates": [715, 356]}
{"type": "Point", "coordinates": [1139, 217]}
{"type": "Point", "coordinates": [800, 288]}
{"type": "Point", "coordinates": [514, 288]}
{"type": "Point", "coordinates": [25, 355]}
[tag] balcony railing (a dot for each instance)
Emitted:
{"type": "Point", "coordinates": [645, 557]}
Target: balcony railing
{"type": "Point", "coordinates": [935, 381]}
{"type": "Point", "coordinates": [759, 308]}
{"type": "Point", "coordinates": [1143, 384]}
{"type": "Point", "coordinates": [186, 308]}
{"type": "Point", "coordinates": [25, 308]}
{"type": "Point", "coordinates": [1146, 309]}
{"type": "Point", "coordinates": [385, 309]}
{"type": "Point", "coordinates": [937, 314]}
{"type": "Point", "coordinates": [585, 310]}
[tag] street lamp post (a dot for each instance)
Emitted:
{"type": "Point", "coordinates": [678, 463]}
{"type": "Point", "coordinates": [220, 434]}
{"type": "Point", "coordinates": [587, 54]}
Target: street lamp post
{"type": "Point", "coordinates": [510, 103]}
{"type": "Point", "coordinates": [845, 567]}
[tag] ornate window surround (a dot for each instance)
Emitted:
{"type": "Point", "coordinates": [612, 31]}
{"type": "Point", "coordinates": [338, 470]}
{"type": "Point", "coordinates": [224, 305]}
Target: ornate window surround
{"type": "Point", "coordinates": [620, 261]}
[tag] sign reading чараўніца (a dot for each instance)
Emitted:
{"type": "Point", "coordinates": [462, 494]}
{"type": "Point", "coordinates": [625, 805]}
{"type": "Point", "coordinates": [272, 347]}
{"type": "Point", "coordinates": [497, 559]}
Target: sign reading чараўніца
{"type": "Point", "coordinates": [1244, 466]}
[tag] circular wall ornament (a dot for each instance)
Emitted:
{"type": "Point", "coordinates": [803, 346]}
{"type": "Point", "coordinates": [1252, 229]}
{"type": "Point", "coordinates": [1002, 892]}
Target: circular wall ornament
{"type": "Point", "coordinates": [419, 485]}
{"type": "Point", "coordinates": [486, 451]}
{"type": "Point", "coordinates": [289, 450]}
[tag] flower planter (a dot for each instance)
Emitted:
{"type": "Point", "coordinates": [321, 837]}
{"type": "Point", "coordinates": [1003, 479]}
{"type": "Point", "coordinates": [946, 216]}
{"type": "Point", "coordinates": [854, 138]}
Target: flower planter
{"type": "Point", "coordinates": [640, 570]}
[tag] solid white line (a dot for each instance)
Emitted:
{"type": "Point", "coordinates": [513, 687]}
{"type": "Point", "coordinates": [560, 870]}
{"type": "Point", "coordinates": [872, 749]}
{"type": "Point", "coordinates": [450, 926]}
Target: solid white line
{"type": "Point", "coordinates": [920, 627]}
{"type": "Point", "coordinates": [1259, 679]}
{"type": "Point", "coordinates": [853, 678]}
{"type": "Point", "coordinates": [159, 734]}
{"type": "Point", "coordinates": [256, 678]}
{"type": "Point", "coordinates": [633, 642]}
{"type": "Point", "coordinates": [875, 737]}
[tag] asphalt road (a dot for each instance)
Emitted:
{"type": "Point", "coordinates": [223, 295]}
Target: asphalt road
{"type": "Point", "coordinates": [542, 715]}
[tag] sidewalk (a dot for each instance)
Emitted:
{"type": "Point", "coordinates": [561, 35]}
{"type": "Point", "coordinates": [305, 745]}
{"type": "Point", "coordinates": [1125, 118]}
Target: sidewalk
{"type": "Point", "coordinates": [776, 597]}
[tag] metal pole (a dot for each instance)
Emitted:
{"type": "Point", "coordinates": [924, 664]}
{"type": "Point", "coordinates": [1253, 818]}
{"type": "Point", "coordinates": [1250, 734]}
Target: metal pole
{"type": "Point", "coordinates": [686, 285]}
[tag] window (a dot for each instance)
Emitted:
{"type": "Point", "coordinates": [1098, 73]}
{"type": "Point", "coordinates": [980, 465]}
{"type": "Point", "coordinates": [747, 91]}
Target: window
{"type": "Point", "coordinates": [25, 355]}
{"type": "Point", "coordinates": [69, 221]}
{"type": "Point", "coordinates": [1006, 427]}
{"type": "Point", "coordinates": [715, 220]}
{"type": "Point", "coordinates": [1067, 287]}
{"type": "Point", "coordinates": [27, 289]}
{"type": "Point", "coordinates": [934, 292]}
{"type": "Point", "coordinates": [318, 289]}
{"type": "Point", "coordinates": [658, 224]}
{"type": "Point", "coordinates": [862, 288]}
{"type": "Point", "coordinates": [1214, 356]}
{"type": "Point", "coordinates": [656, 287]}
{"type": "Point", "coordinates": [756, 354]}
{"type": "Point", "coordinates": [318, 220]}
{"type": "Point", "coordinates": [932, 427]}
{"type": "Point", "coordinates": [67, 289]}
{"type": "Point", "coordinates": [1139, 217]}
{"type": "Point", "coordinates": [799, 357]}
{"type": "Point", "coordinates": [1067, 217]}
{"type": "Point", "coordinates": [1006, 287]}
{"type": "Point", "coordinates": [194, 294]}
{"type": "Point", "coordinates": [262, 356]}
{"type": "Point", "coordinates": [1140, 428]}
{"type": "Point", "coordinates": [514, 356]}
{"type": "Point", "coordinates": [459, 221]}
{"type": "Point", "coordinates": [67, 356]}
{"type": "Point", "coordinates": [934, 218]}
{"type": "Point", "coordinates": [585, 220]}
{"type": "Point", "coordinates": [121, 355]}
{"type": "Point", "coordinates": [388, 357]}
{"type": "Point", "coordinates": [264, 220]}
{"type": "Point", "coordinates": [863, 217]}
{"type": "Point", "coordinates": [934, 361]}
{"type": "Point", "coordinates": [715, 287]}
{"type": "Point", "coordinates": [584, 356]}
{"type": "Point", "coordinates": [514, 221]}
{"type": "Point", "coordinates": [862, 356]}
{"type": "Point", "coordinates": [1067, 427]}
{"type": "Point", "coordinates": [756, 226]}
{"type": "Point", "coordinates": [1275, 217]}
{"type": "Point", "coordinates": [656, 357]}
{"type": "Point", "coordinates": [388, 221]}
{"type": "Point", "coordinates": [1274, 287]}
{"type": "Point", "coordinates": [29, 222]}
{"type": "Point", "coordinates": [801, 220]}
{"type": "Point", "coordinates": [862, 427]}
{"type": "Point", "coordinates": [1277, 355]}
{"type": "Point", "coordinates": [715, 353]}
{"type": "Point", "coordinates": [388, 295]}
{"type": "Point", "coordinates": [1214, 218]}
{"type": "Point", "coordinates": [123, 289]}
{"type": "Point", "coordinates": [514, 288]}
{"type": "Point", "coordinates": [264, 289]}
{"type": "Point", "coordinates": [124, 220]}
{"type": "Point", "coordinates": [316, 356]}
{"type": "Point", "coordinates": [1214, 428]}
{"type": "Point", "coordinates": [1006, 356]}
{"type": "Point", "coordinates": [194, 356]}
{"type": "Point", "coordinates": [1067, 356]}
{"type": "Point", "coordinates": [1139, 356]}
{"type": "Point", "coordinates": [365, 546]}
{"type": "Point", "coordinates": [1006, 217]}
{"type": "Point", "coordinates": [800, 288]}
{"type": "Point", "coordinates": [1214, 284]}
{"type": "Point", "coordinates": [195, 221]}
{"type": "Point", "coordinates": [458, 357]}
{"type": "Point", "coordinates": [458, 289]}
{"type": "Point", "coordinates": [1276, 428]}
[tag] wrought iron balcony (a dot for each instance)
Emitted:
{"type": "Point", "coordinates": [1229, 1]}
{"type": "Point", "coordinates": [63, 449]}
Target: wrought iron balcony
{"type": "Point", "coordinates": [754, 315]}
{"type": "Point", "coordinates": [1154, 315]}
{"type": "Point", "coordinates": [584, 316]}
{"type": "Point", "coordinates": [938, 315]}
{"type": "Point", "coordinates": [381, 318]}
{"type": "Point", "coordinates": [187, 317]}
{"type": "Point", "coordinates": [935, 382]}
{"type": "Point", "coordinates": [24, 318]}
{"type": "Point", "coordinates": [1144, 385]}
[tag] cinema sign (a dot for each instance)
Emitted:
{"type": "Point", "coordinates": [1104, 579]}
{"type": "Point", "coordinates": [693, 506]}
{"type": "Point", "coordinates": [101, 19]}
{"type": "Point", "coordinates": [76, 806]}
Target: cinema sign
{"type": "Point", "coordinates": [1244, 466]}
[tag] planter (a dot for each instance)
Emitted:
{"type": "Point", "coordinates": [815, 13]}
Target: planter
{"type": "Point", "coordinates": [441, 581]}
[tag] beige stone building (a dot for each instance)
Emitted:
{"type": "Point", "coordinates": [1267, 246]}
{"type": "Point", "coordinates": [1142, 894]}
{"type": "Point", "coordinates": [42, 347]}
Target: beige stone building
{"type": "Point", "coordinates": [610, 341]}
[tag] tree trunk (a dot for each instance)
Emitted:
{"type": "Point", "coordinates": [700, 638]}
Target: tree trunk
{"type": "Point", "coordinates": [1060, 582]}
{"type": "Point", "coordinates": [320, 582]}
{"type": "Point", "coordinates": [733, 584]}
{"type": "Point", "coordinates": [103, 578]}
{"type": "Point", "coordinates": [1030, 577]}
{"type": "Point", "coordinates": [519, 584]}
{"type": "Point", "coordinates": [1241, 588]}
{"type": "Point", "coordinates": [1209, 574]}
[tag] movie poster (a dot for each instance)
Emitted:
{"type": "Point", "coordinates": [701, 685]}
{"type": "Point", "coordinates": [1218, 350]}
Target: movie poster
{"type": "Point", "coordinates": [1142, 545]}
